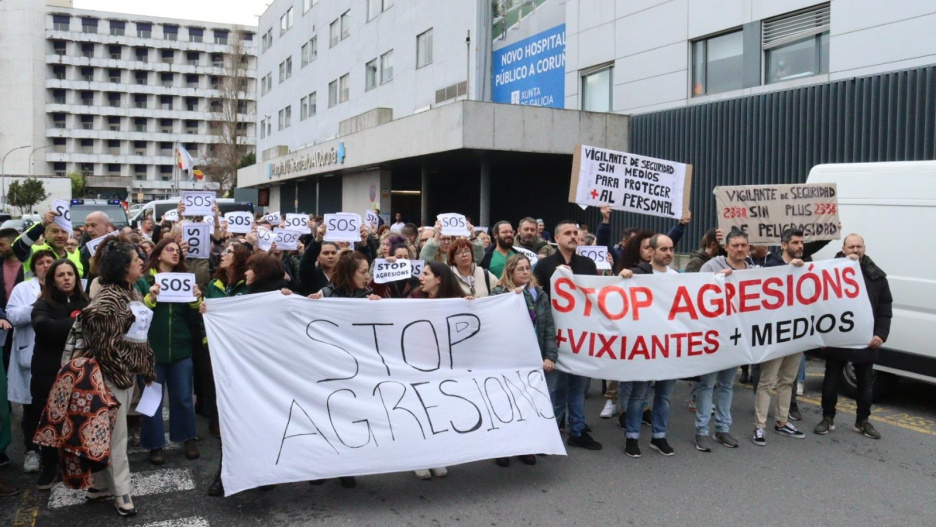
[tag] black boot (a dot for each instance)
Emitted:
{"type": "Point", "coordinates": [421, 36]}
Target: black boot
{"type": "Point", "coordinates": [216, 489]}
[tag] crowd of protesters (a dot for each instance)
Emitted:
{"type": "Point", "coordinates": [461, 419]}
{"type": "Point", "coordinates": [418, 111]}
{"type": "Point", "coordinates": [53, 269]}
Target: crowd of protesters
{"type": "Point", "coordinates": [68, 313]}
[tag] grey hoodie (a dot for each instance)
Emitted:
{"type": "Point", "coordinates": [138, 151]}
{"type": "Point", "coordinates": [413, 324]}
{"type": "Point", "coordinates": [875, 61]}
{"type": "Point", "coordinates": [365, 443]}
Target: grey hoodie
{"type": "Point", "coordinates": [717, 264]}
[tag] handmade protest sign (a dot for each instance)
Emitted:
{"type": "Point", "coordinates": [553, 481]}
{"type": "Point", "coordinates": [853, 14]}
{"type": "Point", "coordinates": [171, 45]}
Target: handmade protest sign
{"type": "Point", "coordinates": [765, 211]}
{"type": "Point", "coordinates": [531, 256]}
{"type": "Point", "coordinates": [298, 223]}
{"type": "Point", "coordinates": [171, 215]}
{"type": "Point", "coordinates": [209, 220]}
{"type": "Point", "coordinates": [92, 245]}
{"type": "Point", "coordinates": [176, 287]}
{"type": "Point", "coordinates": [597, 253]}
{"type": "Point", "coordinates": [453, 224]}
{"type": "Point", "coordinates": [385, 271]}
{"type": "Point", "coordinates": [63, 219]}
{"type": "Point", "coordinates": [286, 240]}
{"type": "Point", "coordinates": [198, 240]}
{"type": "Point", "coordinates": [342, 227]}
{"type": "Point", "coordinates": [239, 222]}
{"type": "Point", "coordinates": [371, 219]}
{"type": "Point", "coordinates": [362, 387]}
{"type": "Point", "coordinates": [273, 218]}
{"type": "Point", "coordinates": [198, 203]}
{"type": "Point", "coordinates": [265, 239]}
{"type": "Point", "coordinates": [417, 266]}
{"type": "Point", "coordinates": [629, 182]}
{"type": "Point", "coordinates": [671, 326]}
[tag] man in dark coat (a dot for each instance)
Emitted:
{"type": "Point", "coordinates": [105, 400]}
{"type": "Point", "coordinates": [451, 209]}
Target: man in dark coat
{"type": "Point", "coordinates": [881, 300]}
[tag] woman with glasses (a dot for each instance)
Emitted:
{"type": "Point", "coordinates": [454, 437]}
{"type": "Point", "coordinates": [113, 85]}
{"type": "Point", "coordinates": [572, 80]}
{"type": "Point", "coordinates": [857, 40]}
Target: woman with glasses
{"type": "Point", "coordinates": [351, 278]}
{"type": "Point", "coordinates": [438, 246]}
{"type": "Point", "coordinates": [173, 334]}
{"type": "Point", "coordinates": [519, 279]}
{"type": "Point", "coordinates": [474, 280]}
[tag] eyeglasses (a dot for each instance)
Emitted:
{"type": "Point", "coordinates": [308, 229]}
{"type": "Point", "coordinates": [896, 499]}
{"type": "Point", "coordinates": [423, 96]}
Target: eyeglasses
{"type": "Point", "coordinates": [463, 252]}
{"type": "Point", "coordinates": [229, 250]}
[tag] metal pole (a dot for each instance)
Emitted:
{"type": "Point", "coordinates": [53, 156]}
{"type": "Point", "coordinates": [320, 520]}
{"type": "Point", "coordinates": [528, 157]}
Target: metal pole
{"type": "Point", "coordinates": [468, 66]}
{"type": "Point", "coordinates": [3, 198]}
{"type": "Point", "coordinates": [34, 150]}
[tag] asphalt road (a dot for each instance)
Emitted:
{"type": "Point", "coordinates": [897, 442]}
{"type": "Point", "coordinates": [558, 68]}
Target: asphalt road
{"type": "Point", "coordinates": [839, 479]}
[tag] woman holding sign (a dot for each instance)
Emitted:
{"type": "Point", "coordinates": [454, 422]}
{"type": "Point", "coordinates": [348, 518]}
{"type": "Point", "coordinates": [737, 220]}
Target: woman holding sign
{"type": "Point", "coordinates": [518, 277]}
{"type": "Point", "coordinates": [115, 327]}
{"type": "Point", "coordinates": [350, 279]}
{"type": "Point", "coordinates": [473, 279]}
{"type": "Point", "coordinates": [52, 317]}
{"type": "Point", "coordinates": [397, 288]}
{"type": "Point", "coordinates": [174, 333]}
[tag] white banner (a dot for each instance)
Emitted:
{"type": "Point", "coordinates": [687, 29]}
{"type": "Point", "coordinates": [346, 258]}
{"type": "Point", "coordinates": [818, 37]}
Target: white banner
{"type": "Point", "coordinates": [363, 387]}
{"type": "Point", "coordinates": [658, 327]}
{"type": "Point", "coordinates": [286, 239]}
{"type": "Point", "coordinates": [298, 223]}
{"type": "Point", "coordinates": [63, 220]}
{"type": "Point", "coordinates": [629, 182]}
{"type": "Point", "coordinates": [178, 288]}
{"type": "Point", "coordinates": [597, 254]}
{"type": "Point", "coordinates": [239, 222]}
{"type": "Point", "coordinates": [453, 224]}
{"type": "Point", "coordinates": [198, 203]}
{"type": "Point", "coordinates": [342, 227]}
{"type": "Point", "coordinates": [198, 240]}
{"type": "Point", "coordinates": [385, 271]}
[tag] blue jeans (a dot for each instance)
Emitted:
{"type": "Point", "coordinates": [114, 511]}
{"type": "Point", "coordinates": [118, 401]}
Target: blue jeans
{"type": "Point", "coordinates": [801, 374]}
{"type": "Point", "coordinates": [624, 393]}
{"type": "Point", "coordinates": [566, 389]}
{"type": "Point", "coordinates": [661, 407]}
{"type": "Point", "coordinates": [177, 377]}
{"type": "Point", "coordinates": [704, 390]}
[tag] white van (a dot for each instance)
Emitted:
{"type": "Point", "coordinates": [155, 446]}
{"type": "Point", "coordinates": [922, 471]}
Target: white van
{"type": "Point", "coordinates": [155, 209]}
{"type": "Point", "coordinates": [891, 205]}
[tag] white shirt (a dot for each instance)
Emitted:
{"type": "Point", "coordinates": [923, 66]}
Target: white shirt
{"type": "Point", "coordinates": [19, 313]}
{"type": "Point", "coordinates": [397, 227]}
{"type": "Point", "coordinates": [669, 270]}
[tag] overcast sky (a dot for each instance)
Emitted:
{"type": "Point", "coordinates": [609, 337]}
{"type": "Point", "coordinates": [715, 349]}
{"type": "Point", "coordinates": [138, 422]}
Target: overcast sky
{"type": "Point", "coordinates": [225, 11]}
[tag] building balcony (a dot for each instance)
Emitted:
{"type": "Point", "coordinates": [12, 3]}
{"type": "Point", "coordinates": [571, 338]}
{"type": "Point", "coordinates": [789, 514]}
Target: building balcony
{"type": "Point", "coordinates": [151, 65]}
{"type": "Point", "coordinates": [100, 158]}
{"type": "Point", "coordinates": [185, 137]}
{"type": "Point", "coordinates": [250, 47]}
{"type": "Point", "coordinates": [126, 110]}
{"type": "Point", "coordinates": [133, 88]}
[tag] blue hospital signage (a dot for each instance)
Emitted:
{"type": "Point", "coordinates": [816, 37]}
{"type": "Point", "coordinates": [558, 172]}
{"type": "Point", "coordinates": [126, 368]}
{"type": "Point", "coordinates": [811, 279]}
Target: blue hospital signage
{"type": "Point", "coordinates": [532, 71]}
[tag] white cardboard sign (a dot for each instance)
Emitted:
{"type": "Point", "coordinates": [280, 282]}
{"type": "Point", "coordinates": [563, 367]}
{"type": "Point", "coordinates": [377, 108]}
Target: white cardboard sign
{"type": "Point", "coordinates": [385, 271]}
{"type": "Point", "coordinates": [171, 215]}
{"type": "Point", "coordinates": [198, 203]}
{"type": "Point", "coordinates": [93, 244]}
{"type": "Point", "coordinates": [596, 253]}
{"type": "Point", "coordinates": [453, 224]}
{"type": "Point", "coordinates": [273, 217]}
{"type": "Point", "coordinates": [298, 223]}
{"type": "Point", "coordinates": [198, 239]}
{"type": "Point", "coordinates": [265, 238]}
{"type": "Point", "coordinates": [63, 220]}
{"type": "Point", "coordinates": [286, 239]}
{"type": "Point", "coordinates": [417, 266]}
{"type": "Point", "coordinates": [239, 222]}
{"type": "Point", "coordinates": [176, 288]}
{"type": "Point", "coordinates": [343, 227]}
{"type": "Point", "coordinates": [371, 219]}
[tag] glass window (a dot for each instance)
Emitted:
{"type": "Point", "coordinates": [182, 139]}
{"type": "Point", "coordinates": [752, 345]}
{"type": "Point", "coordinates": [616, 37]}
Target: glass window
{"type": "Point", "coordinates": [196, 34]}
{"type": "Point", "coordinates": [303, 108]}
{"type": "Point", "coordinates": [424, 49]}
{"type": "Point", "coordinates": [60, 22]}
{"type": "Point", "coordinates": [345, 24]}
{"type": "Point", "coordinates": [386, 67]}
{"type": "Point", "coordinates": [597, 90]}
{"type": "Point", "coordinates": [171, 32]}
{"type": "Point", "coordinates": [387, 4]}
{"type": "Point", "coordinates": [305, 55]}
{"type": "Point", "coordinates": [89, 25]}
{"type": "Point", "coordinates": [370, 75]}
{"type": "Point", "coordinates": [334, 33]}
{"type": "Point", "coordinates": [313, 48]}
{"type": "Point", "coordinates": [344, 88]}
{"type": "Point", "coordinates": [306, 5]}
{"type": "Point", "coordinates": [332, 93]}
{"type": "Point", "coordinates": [313, 104]}
{"type": "Point", "coordinates": [144, 30]}
{"type": "Point", "coordinates": [117, 28]}
{"type": "Point", "coordinates": [373, 9]}
{"type": "Point", "coordinates": [718, 64]}
{"type": "Point", "coordinates": [220, 37]}
{"type": "Point", "coordinates": [796, 45]}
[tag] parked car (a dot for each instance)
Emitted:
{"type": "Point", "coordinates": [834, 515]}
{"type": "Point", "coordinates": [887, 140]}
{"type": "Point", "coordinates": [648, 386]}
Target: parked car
{"type": "Point", "coordinates": [21, 224]}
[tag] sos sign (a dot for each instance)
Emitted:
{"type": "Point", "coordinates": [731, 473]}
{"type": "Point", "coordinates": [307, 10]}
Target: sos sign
{"type": "Point", "coordinates": [239, 222]}
{"type": "Point", "coordinates": [596, 253]}
{"type": "Point", "coordinates": [453, 224]}
{"type": "Point", "coordinates": [197, 237]}
{"type": "Point", "coordinates": [198, 203]}
{"type": "Point", "coordinates": [63, 218]}
{"type": "Point", "coordinates": [343, 227]}
{"type": "Point", "coordinates": [176, 287]}
{"type": "Point", "coordinates": [286, 240]}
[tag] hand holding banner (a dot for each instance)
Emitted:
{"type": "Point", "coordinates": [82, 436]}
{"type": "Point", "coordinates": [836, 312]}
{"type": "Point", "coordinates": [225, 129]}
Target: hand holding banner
{"type": "Point", "coordinates": [176, 288]}
{"type": "Point", "coordinates": [385, 271]}
{"type": "Point", "coordinates": [198, 240]}
{"type": "Point", "coordinates": [286, 239]}
{"type": "Point", "coordinates": [63, 220]}
{"type": "Point", "coordinates": [198, 203]}
{"type": "Point", "coordinates": [239, 222]}
{"type": "Point", "coordinates": [765, 211]}
{"type": "Point", "coordinates": [298, 223]}
{"type": "Point", "coordinates": [454, 224]}
{"type": "Point", "coordinates": [597, 254]}
{"type": "Point", "coordinates": [342, 227]}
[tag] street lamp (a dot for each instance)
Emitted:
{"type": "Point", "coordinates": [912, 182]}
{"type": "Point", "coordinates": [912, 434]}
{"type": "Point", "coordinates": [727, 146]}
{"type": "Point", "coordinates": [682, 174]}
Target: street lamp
{"type": "Point", "coordinates": [34, 150]}
{"type": "Point", "coordinates": [3, 199]}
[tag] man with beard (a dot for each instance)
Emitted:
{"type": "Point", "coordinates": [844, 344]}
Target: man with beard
{"type": "Point", "coordinates": [528, 238]}
{"type": "Point", "coordinates": [879, 295]}
{"type": "Point", "coordinates": [496, 255]}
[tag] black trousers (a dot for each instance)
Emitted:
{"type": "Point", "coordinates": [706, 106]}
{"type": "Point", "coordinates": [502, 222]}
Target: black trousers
{"type": "Point", "coordinates": [833, 373]}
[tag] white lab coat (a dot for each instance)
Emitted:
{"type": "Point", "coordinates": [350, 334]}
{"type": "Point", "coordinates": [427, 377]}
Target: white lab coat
{"type": "Point", "coordinates": [19, 313]}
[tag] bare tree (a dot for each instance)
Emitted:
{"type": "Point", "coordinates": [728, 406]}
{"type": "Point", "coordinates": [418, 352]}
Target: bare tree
{"type": "Point", "coordinates": [229, 116]}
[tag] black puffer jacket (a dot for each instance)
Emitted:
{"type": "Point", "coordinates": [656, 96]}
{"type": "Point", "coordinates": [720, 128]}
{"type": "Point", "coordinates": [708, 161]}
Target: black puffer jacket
{"type": "Point", "coordinates": [52, 321]}
{"type": "Point", "coordinates": [881, 303]}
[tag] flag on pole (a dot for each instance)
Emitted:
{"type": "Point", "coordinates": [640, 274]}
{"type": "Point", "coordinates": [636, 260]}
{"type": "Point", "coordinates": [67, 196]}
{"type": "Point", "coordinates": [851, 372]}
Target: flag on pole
{"type": "Point", "coordinates": [185, 161]}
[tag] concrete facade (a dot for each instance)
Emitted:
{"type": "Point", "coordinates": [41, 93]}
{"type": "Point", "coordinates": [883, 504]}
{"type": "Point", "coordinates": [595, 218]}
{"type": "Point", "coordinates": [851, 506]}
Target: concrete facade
{"type": "Point", "coordinates": [109, 94]}
{"type": "Point", "coordinates": [649, 44]}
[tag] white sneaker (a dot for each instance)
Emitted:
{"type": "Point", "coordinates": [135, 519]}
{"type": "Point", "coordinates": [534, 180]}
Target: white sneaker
{"type": "Point", "coordinates": [800, 387]}
{"type": "Point", "coordinates": [32, 462]}
{"type": "Point", "coordinates": [422, 474]}
{"type": "Point", "coordinates": [608, 411]}
{"type": "Point", "coordinates": [439, 472]}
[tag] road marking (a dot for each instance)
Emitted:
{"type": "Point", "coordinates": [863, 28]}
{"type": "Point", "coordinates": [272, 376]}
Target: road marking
{"type": "Point", "coordinates": [141, 484]}
{"type": "Point", "coordinates": [195, 521]}
{"type": "Point", "coordinates": [28, 511]}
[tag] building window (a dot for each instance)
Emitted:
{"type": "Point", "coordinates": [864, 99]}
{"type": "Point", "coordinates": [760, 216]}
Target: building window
{"type": "Point", "coordinates": [221, 36]}
{"type": "Point", "coordinates": [796, 45]}
{"type": "Point", "coordinates": [168, 56]}
{"type": "Point", "coordinates": [115, 52]}
{"type": "Point", "coordinates": [87, 50]}
{"type": "Point", "coordinates": [191, 104]}
{"type": "Point", "coordinates": [142, 54]}
{"type": "Point", "coordinates": [266, 41]}
{"type": "Point", "coordinates": [58, 120]}
{"type": "Point", "coordinates": [139, 124]}
{"type": "Point", "coordinates": [87, 123]}
{"type": "Point", "coordinates": [60, 22]}
{"type": "Point", "coordinates": [58, 72]}
{"type": "Point", "coordinates": [305, 55]}
{"type": "Point", "coordinates": [196, 34]}
{"type": "Point", "coordinates": [303, 108]}
{"type": "Point", "coordinates": [113, 123]}
{"type": "Point", "coordinates": [139, 100]}
{"type": "Point", "coordinates": [113, 76]}
{"type": "Point", "coordinates": [171, 32]}
{"type": "Point", "coordinates": [144, 30]}
{"type": "Point", "coordinates": [286, 21]}
{"type": "Point", "coordinates": [288, 116]}
{"type": "Point", "coordinates": [89, 25]}
{"type": "Point", "coordinates": [306, 5]}
{"type": "Point", "coordinates": [373, 9]}
{"type": "Point", "coordinates": [117, 28]}
{"type": "Point", "coordinates": [597, 89]}
{"type": "Point", "coordinates": [387, 4]}
{"type": "Point", "coordinates": [263, 128]}
{"type": "Point", "coordinates": [113, 147]}
{"type": "Point", "coordinates": [167, 79]}
{"type": "Point", "coordinates": [285, 116]}
{"type": "Point", "coordinates": [87, 98]}
{"type": "Point", "coordinates": [424, 49]}
{"type": "Point", "coordinates": [58, 96]}
{"type": "Point", "coordinates": [386, 67]}
{"type": "Point", "coordinates": [313, 48]}
{"type": "Point", "coordinates": [263, 85]}
{"type": "Point", "coordinates": [141, 78]}
{"type": "Point", "coordinates": [217, 60]}
{"type": "Point", "coordinates": [87, 74]}
{"type": "Point", "coordinates": [370, 75]}
{"type": "Point", "coordinates": [343, 87]}
{"type": "Point", "coordinates": [346, 24]}
{"type": "Point", "coordinates": [332, 93]}
{"type": "Point", "coordinates": [113, 100]}
{"type": "Point", "coordinates": [313, 104]}
{"type": "Point", "coordinates": [718, 64]}
{"type": "Point", "coordinates": [58, 48]}
{"type": "Point", "coordinates": [285, 70]}
{"type": "Point", "coordinates": [334, 33]}
{"type": "Point", "coordinates": [165, 125]}
{"type": "Point", "coordinates": [59, 168]}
